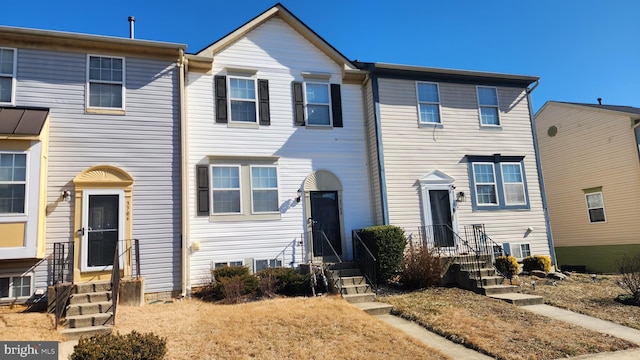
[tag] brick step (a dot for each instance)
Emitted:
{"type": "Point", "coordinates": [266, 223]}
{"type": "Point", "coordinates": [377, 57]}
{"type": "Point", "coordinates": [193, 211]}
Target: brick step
{"type": "Point", "coordinates": [519, 299]}
{"type": "Point", "coordinates": [94, 297]}
{"type": "Point", "coordinates": [91, 287]}
{"type": "Point", "coordinates": [81, 321]}
{"type": "Point", "coordinates": [89, 308]}
{"type": "Point", "coordinates": [76, 333]}
{"type": "Point", "coordinates": [355, 289]}
{"type": "Point", "coordinates": [499, 289]}
{"type": "Point", "coordinates": [359, 298]}
{"type": "Point", "coordinates": [374, 307]}
{"type": "Point", "coordinates": [352, 280]}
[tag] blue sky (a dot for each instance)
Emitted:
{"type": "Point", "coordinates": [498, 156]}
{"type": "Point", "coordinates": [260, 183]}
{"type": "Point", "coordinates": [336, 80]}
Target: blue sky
{"type": "Point", "coordinates": [581, 49]}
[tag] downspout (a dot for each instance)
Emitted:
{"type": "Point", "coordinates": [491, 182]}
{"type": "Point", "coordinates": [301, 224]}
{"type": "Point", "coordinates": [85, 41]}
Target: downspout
{"type": "Point", "coordinates": [543, 194]}
{"type": "Point", "coordinates": [381, 169]}
{"type": "Point", "coordinates": [184, 180]}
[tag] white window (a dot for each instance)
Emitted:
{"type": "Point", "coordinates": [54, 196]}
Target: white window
{"type": "Point", "coordinates": [317, 103]}
{"type": "Point", "coordinates": [106, 82]}
{"type": "Point", "coordinates": [595, 206]}
{"type": "Point", "coordinates": [242, 99]}
{"type": "Point", "coordinates": [226, 190]}
{"type": "Point", "coordinates": [488, 105]}
{"type": "Point", "coordinates": [513, 184]}
{"type": "Point", "coordinates": [224, 264]}
{"type": "Point", "coordinates": [428, 102]}
{"type": "Point", "coordinates": [518, 251]}
{"type": "Point", "coordinates": [13, 182]}
{"type": "Point", "coordinates": [7, 75]}
{"type": "Point", "coordinates": [263, 264]}
{"type": "Point", "coordinates": [264, 189]}
{"type": "Point", "coordinates": [485, 184]}
{"type": "Point", "coordinates": [12, 287]}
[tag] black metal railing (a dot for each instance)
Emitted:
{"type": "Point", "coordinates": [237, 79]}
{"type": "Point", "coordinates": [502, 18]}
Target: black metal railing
{"type": "Point", "coordinates": [485, 246]}
{"type": "Point", "coordinates": [62, 295]}
{"type": "Point", "coordinates": [62, 263]}
{"type": "Point", "coordinates": [365, 259]}
{"type": "Point", "coordinates": [329, 257]}
{"type": "Point", "coordinates": [115, 281]}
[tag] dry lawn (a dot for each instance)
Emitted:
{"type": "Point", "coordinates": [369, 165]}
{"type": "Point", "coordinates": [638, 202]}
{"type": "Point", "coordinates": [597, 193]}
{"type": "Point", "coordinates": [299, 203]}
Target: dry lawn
{"type": "Point", "coordinates": [291, 328]}
{"type": "Point", "coordinates": [18, 325]}
{"type": "Point", "coordinates": [498, 329]}
{"type": "Point", "coordinates": [581, 294]}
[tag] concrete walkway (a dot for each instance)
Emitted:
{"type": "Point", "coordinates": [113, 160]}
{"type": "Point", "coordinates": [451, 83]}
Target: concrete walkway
{"type": "Point", "coordinates": [65, 348]}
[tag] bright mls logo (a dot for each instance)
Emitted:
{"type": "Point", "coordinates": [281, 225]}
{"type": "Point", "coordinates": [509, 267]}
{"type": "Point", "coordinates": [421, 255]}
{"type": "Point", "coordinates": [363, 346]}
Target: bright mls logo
{"type": "Point", "coordinates": [33, 350]}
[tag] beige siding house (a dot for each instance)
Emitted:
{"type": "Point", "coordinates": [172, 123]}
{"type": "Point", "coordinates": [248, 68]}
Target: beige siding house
{"type": "Point", "coordinates": [589, 156]}
{"type": "Point", "coordinates": [455, 149]}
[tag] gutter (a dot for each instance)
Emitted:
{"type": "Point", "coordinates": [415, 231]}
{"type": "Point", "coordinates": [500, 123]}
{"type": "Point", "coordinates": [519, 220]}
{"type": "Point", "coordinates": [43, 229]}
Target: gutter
{"type": "Point", "coordinates": [552, 249]}
{"type": "Point", "coordinates": [184, 181]}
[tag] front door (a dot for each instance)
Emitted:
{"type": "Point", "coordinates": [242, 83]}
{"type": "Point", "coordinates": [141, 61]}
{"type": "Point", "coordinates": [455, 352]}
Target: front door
{"type": "Point", "coordinates": [441, 218]}
{"type": "Point", "coordinates": [102, 228]}
{"type": "Point", "coordinates": [325, 217]}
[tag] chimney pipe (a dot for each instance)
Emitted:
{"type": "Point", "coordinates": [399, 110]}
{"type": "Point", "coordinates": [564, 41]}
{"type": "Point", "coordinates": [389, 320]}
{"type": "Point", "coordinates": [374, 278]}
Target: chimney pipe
{"type": "Point", "coordinates": [599, 101]}
{"type": "Point", "coordinates": [132, 22]}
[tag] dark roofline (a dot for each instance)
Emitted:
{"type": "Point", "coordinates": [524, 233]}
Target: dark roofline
{"type": "Point", "coordinates": [619, 108]}
{"type": "Point", "coordinates": [408, 72]}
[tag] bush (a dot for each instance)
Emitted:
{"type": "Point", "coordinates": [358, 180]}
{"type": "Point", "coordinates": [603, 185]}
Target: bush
{"type": "Point", "coordinates": [537, 262]}
{"type": "Point", "coordinates": [507, 265]}
{"type": "Point", "coordinates": [629, 268]}
{"type": "Point", "coordinates": [387, 243]}
{"type": "Point", "coordinates": [283, 281]}
{"type": "Point", "coordinates": [230, 284]}
{"type": "Point", "coordinates": [133, 346]}
{"type": "Point", "coordinates": [420, 268]}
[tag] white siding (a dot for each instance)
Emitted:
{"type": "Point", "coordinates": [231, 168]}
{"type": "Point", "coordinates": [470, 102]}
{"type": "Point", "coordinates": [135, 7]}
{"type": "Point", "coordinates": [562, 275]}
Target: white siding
{"type": "Point", "coordinates": [280, 55]}
{"type": "Point", "coordinates": [411, 152]}
{"type": "Point", "coordinates": [144, 142]}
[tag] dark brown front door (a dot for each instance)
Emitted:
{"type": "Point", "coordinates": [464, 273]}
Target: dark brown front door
{"type": "Point", "coordinates": [325, 214]}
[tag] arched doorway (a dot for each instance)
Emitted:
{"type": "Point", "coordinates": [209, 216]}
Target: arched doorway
{"type": "Point", "coordinates": [323, 206]}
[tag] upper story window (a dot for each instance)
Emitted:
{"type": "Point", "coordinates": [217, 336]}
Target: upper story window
{"type": "Point", "coordinates": [242, 100]}
{"type": "Point", "coordinates": [488, 106]}
{"type": "Point", "coordinates": [13, 182]}
{"type": "Point", "coordinates": [595, 205]}
{"type": "Point", "coordinates": [498, 182]}
{"type": "Point", "coordinates": [317, 103]}
{"type": "Point", "coordinates": [106, 82]}
{"type": "Point", "coordinates": [428, 102]}
{"type": "Point", "coordinates": [7, 75]}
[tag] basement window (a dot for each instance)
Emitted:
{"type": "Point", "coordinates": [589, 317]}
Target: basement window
{"type": "Point", "coordinates": [15, 286]}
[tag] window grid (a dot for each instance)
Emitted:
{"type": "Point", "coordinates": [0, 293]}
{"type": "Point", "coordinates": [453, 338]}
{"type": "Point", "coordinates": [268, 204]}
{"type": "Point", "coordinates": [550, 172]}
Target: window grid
{"type": "Point", "coordinates": [595, 207]}
{"type": "Point", "coordinates": [12, 287]}
{"type": "Point", "coordinates": [242, 99]}
{"type": "Point", "coordinates": [428, 102]}
{"type": "Point", "coordinates": [488, 106]}
{"type": "Point", "coordinates": [264, 189]}
{"type": "Point", "coordinates": [513, 184]}
{"type": "Point", "coordinates": [13, 182]}
{"type": "Point", "coordinates": [106, 82]}
{"type": "Point", "coordinates": [485, 183]}
{"type": "Point", "coordinates": [267, 263]}
{"type": "Point", "coordinates": [7, 74]}
{"type": "Point", "coordinates": [318, 103]}
{"type": "Point", "coordinates": [226, 194]}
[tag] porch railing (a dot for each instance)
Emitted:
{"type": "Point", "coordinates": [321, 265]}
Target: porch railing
{"type": "Point", "coordinates": [365, 259]}
{"type": "Point", "coordinates": [484, 244]}
{"type": "Point", "coordinates": [61, 278]}
{"type": "Point", "coordinates": [331, 257]}
{"type": "Point", "coordinates": [129, 251]}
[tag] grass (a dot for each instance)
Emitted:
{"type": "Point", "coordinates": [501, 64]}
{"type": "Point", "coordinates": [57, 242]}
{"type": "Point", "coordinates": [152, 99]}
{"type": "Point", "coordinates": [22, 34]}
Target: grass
{"type": "Point", "coordinates": [579, 293]}
{"type": "Point", "coordinates": [27, 326]}
{"type": "Point", "coordinates": [498, 329]}
{"type": "Point", "coordinates": [289, 328]}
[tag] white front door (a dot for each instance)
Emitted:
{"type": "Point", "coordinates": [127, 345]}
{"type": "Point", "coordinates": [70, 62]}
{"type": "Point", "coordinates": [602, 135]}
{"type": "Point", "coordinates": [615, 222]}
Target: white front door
{"type": "Point", "coordinates": [102, 228]}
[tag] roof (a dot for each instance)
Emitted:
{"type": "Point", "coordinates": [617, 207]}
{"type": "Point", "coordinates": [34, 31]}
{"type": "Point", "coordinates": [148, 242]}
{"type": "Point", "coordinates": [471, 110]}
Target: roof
{"type": "Point", "coordinates": [627, 110]}
{"type": "Point", "coordinates": [22, 120]}
{"type": "Point", "coordinates": [449, 75]}
{"type": "Point", "coordinates": [282, 12]}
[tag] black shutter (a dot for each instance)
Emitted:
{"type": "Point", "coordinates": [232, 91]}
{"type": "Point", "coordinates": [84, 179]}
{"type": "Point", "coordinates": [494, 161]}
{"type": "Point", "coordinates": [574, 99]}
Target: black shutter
{"type": "Point", "coordinates": [202, 175]}
{"type": "Point", "coordinates": [263, 96]}
{"type": "Point", "coordinates": [221, 99]}
{"type": "Point", "coordinates": [336, 105]}
{"type": "Point", "coordinates": [298, 104]}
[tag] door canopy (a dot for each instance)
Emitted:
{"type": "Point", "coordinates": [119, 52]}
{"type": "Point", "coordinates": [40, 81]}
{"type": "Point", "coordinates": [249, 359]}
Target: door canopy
{"type": "Point", "coordinates": [105, 176]}
{"type": "Point", "coordinates": [322, 180]}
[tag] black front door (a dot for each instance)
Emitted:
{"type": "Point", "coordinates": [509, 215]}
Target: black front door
{"type": "Point", "coordinates": [325, 215]}
{"type": "Point", "coordinates": [441, 218]}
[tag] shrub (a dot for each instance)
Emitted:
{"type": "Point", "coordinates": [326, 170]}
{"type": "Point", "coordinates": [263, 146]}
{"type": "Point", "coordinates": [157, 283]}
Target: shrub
{"type": "Point", "coordinates": [629, 268]}
{"type": "Point", "coordinates": [537, 262]}
{"type": "Point", "coordinates": [283, 281]}
{"type": "Point", "coordinates": [133, 346]}
{"type": "Point", "coordinates": [420, 268]}
{"type": "Point", "coordinates": [387, 243]}
{"type": "Point", "coordinates": [229, 284]}
{"type": "Point", "coordinates": [507, 265]}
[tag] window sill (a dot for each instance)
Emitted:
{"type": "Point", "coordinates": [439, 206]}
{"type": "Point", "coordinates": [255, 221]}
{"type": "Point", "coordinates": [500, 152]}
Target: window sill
{"type": "Point", "coordinates": [243, 124]}
{"type": "Point", "coordinates": [490, 127]}
{"type": "Point", "coordinates": [497, 208]}
{"type": "Point", "coordinates": [319, 127]}
{"type": "Point", "coordinates": [105, 111]}
{"type": "Point", "coordinates": [243, 217]}
{"type": "Point", "coordinates": [429, 125]}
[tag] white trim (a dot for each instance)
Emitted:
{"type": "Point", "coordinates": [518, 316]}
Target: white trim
{"type": "Point", "coordinates": [230, 98]}
{"type": "Point", "coordinates": [239, 189]}
{"type": "Point", "coordinates": [85, 225]}
{"type": "Point", "coordinates": [476, 183]}
{"type": "Point", "coordinates": [588, 208]}
{"type": "Point", "coordinates": [277, 189]}
{"type": "Point", "coordinates": [437, 180]}
{"type": "Point", "coordinates": [122, 83]}
{"type": "Point", "coordinates": [418, 102]}
{"type": "Point", "coordinates": [496, 106]}
{"type": "Point", "coordinates": [504, 191]}
{"type": "Point", "coordinates": [14, 77]}
{"type": "Point", "coordinates": [307, 103]}
{"type": "Point", "coordinates": [14, 275]}
{"type": "Point", "coordinates": [517, 245]}
{"type": "Point", "coordinates": [24, 215]}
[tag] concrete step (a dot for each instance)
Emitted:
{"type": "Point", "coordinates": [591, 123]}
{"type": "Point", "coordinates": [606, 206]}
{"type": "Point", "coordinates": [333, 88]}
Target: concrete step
{"type": "Point", "coordinates": [355, 289]}
{"type": "Point", "coordinates": [348, 272]}
{"type": "Point", "coordinates": [89, 308]}
{"type": "Point", "coordinates": [472, 266]}
{"type": "Point", "coordinates": [519, 299]}
{"type": "Point", "coordinates": [499, 289]}
{"type": "Point", "coordinates": [359, 298]}
{"type": "Point", "coordinates": [344, 265]}
{"type": "Point", "coordinates": [94, 297]}
{"type": "Point", "coordinates": [90, 287]}
{"type": "Point", "coordinates": [489, 280]}
{"type": "Point", "coordinates": [374, 307]}
{"type": "Point", "coordinates": [483, 272]}
{"type": "Point", "coordinates": [81, 321]}
{"type": "Point", "coordinates": [77, 333]}
{"type": "Point", "coordinates": [352, 280]}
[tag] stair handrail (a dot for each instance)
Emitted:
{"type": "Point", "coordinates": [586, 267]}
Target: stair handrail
{"type": "Point", "coordinates": [115, 281]}
{"type": "Point", "coordinates": [61, 259]}
{"type": "Point", "coordinates": [62, 294]}
{"type": "Point", "coordinates": [485, 244]}
{"type": "Point", "coordinates": [367, 262]}
{"type": "Point", "coordinates": [282, 252]}
{"type": "Point", "coordinates": [335, 253]}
